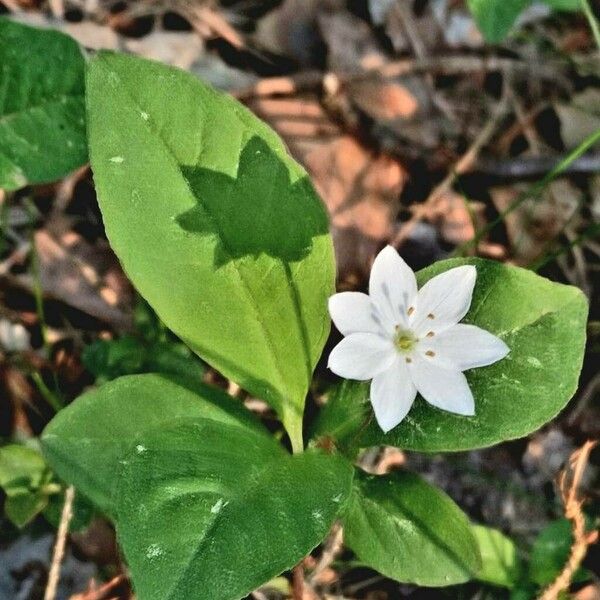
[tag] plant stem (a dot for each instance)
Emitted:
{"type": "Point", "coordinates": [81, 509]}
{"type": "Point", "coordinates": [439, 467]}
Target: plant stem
{"type": "Point", "coordinates": [37, 283]}
{"type": "Point", "coordinates": [591, 232]}
{"type": "Point", "coordinates": [51, 398]}
{"type": "Point", "coordinates": [591, 17]}
{"type": "Point", "coordinates": [532, 192]}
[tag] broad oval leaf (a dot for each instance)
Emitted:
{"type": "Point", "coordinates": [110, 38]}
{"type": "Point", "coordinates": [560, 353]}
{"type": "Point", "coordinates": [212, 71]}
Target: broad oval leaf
{"type": "Point", "coordinates": [409, 530]}
{"type": "Point", "coordinates": [218, 228]}
{"type": "Point", "coordinates": [206, 512]}
{"type": "Point", "coordinates": [544, 325]}
{"type": "Point", "coordinates": [500, 562]}
{"type": "Point", "coordinates": [42, 124]}
{"type": "Point", "coordinates": [85, 441]}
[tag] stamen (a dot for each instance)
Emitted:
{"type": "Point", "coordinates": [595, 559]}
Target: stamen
{"type": "Point", "coordinates": [430, 353]}
{"type": "Point", "coordinates": [431, 316]}
{"type": "Point", "coordinates": [404, 339]}
{"type": "Point", "coordinates": [411, 310]}
{"type": "Point", "coordinates": [430, 334]}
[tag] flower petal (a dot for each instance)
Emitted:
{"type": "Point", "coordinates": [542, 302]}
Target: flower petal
{"type": "Point", "coordinates": [392, 287]}
{"type": "Point", "coordinates": [445, 388]}
{"type": "Point", "coordinates": [352, 312]}
{"type": "Point", "coordinates": [444, 300]}
{"type": "Point", "coordinates": [467, 346]}
{"type": "Point", "coordinates": [392, 395]}
{"type": "Point", "coordinates": [361, 356]}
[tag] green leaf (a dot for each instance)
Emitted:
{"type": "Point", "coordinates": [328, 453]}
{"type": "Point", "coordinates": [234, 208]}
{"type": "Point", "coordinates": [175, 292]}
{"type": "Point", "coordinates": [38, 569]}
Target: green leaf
{"type": "Point", "coordinates": [544, 325]}
{"type": "Point", "coordinates": [22, 469]}
{"type": "Point", "coordinates": [42, 124]}
{"type": "Point", "coordinates": [550, 553]}
{"type": "Point", "coordinates": [495, 18]}
{"type": "Point", "coordinates": [409, 530]}
{"type": "Point", "coordinates": [21, 509]}
{"type": "Point", "coordinates": [500, 562]}
{"type": "Point", "coordinates": [217, 227]}
{"type": "Point", "coordinates": [209, 511]}
{"type": "Point", "coordinates": [83, 511]}
{"type": "Point", "coordinates": [109, 359]}
{"type": "Point", "coordinates": [85, 441]}
{"type": "Point", "coordinates": [23, 473]}
{"type": "Point", "coordinates": [128, 355]}
{"type": "Point", "coordinates": [343, 416]}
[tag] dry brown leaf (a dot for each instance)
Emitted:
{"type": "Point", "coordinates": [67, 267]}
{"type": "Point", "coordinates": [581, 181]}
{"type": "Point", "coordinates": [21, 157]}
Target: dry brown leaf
{"type": "Point", "coordinates": [384, 100]}
{"type": "Point", "coordinates": [409, 31]}
{"type": "Point", "coordinates": [94, 36]}
{"type": "Point", "coordinates": [289, 29]}
{"type": "Point", "coordinates": [350, 41]}
{"type": "Point", "coordinates": [579, 118]}
{"type": "Point", "coordinates": [178, 49]}
{"type": "Point", "coordinates": [13, 336]}
{"type": "Point", "coordinates": [300, 121]}
{"type": "Point", "coordinates": [83, 276]}
{"type": "Point", "coordinates": [454, 217]}
{"type": "Point", "coordinates": [107, 591]}
{"type": "Point", "coordinates": [534, 226]}
{"type": "Point", "coordinates": [589, 592]}
{"type": "Point", "coordinates": [361, 191]}
{"type": "Point", "coordinates": [390, 460]}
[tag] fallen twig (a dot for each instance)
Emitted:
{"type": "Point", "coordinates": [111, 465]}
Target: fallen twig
{"type": "Point", "coordinates": [586, 396]}
{"type": "Point", "coordinates": [533, 191]}
{"type": "Point", "coordinates": [435, 65]}
{"type": "Point", "coordinates": [59, 547]}
{"type": "Point", "coordinates": [569, 481]}
{"type": "Point", "coordinates": [534, 166]}
{"type": "Point", "coordinates": [100, 593]}
{"type": "Point", "coordinates": [332, 548]}
{"type": "Point", "coordinates": [298, 582]}
{"type": "Point", "coordinates": [464, 164]}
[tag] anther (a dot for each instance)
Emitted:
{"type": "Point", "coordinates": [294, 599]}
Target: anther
{"type": "Point", "coordinates": [430, 334]}
{"type": "Point", "coordinates": [408, 359]}
{"type": "Point", "coordinates": [411, 310]}
{"type": "Point", "coordinates": [431, 316]}
{"type": "Point", "coordinates": [430, 353]}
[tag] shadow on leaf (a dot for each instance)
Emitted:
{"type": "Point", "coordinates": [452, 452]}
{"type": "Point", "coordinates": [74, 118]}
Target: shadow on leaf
{"type": "Point", "coordinates": [259, 212]}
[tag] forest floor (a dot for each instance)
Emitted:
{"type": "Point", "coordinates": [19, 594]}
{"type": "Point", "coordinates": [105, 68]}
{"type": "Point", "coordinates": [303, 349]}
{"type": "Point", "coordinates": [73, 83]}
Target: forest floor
{"type": "Point", "coordinates": [415, 132]}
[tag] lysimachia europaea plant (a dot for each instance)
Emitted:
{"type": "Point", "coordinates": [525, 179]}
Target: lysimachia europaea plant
{"type": "Point", "coordinates": [222, 233]}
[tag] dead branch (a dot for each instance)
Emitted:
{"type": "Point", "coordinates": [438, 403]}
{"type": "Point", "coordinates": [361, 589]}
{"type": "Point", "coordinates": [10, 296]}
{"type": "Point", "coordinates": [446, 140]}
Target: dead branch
{"type": "Point", "coordinates": [298, 582]}
{"type": "Point", "coordinates": [332, 548]}
{"type": "Point", "coordinates": [568, 483]}
{"type": "Point", "coordinates": [100, 593]}
{"type": "Point", "coordinates": [59, 547]}
{"type": "Point", "coordinates": [464, 164]}
{"type": "Point", "coordinates": [434, 65]}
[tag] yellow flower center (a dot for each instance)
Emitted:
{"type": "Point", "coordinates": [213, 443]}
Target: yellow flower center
{"type": "Point", "coordinates": [404, 340]}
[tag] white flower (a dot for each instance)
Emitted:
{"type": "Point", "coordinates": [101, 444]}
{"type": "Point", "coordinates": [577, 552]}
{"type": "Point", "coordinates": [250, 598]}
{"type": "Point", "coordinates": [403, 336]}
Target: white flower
{"type": "Point", "coordinates": [409, 341]}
